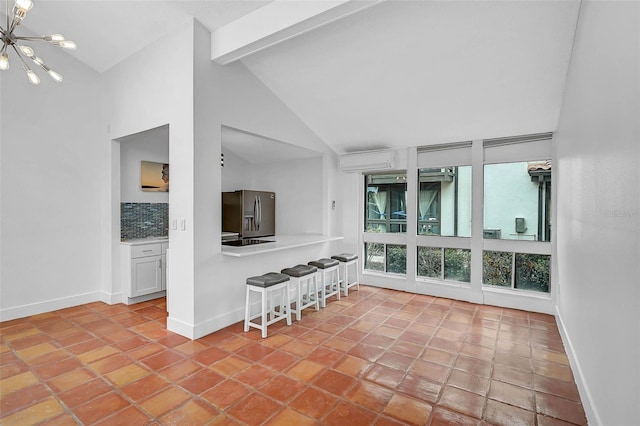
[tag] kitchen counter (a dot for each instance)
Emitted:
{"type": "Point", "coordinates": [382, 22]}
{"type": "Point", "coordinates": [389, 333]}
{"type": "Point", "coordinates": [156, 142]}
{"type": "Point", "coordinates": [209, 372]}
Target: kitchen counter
{"type": "Point", "coordinates": [280, 242]}
{"type": "Point", "coordinates": [147, 240]}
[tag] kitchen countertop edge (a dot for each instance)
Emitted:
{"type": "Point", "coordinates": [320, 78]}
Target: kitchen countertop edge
{"type": "Point", "coordinates": [280, 242]}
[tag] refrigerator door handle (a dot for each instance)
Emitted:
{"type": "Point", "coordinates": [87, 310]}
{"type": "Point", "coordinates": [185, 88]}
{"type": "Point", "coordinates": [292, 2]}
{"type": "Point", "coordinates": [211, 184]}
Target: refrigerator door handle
{"type": "Point", "coordinates": [259, 221]}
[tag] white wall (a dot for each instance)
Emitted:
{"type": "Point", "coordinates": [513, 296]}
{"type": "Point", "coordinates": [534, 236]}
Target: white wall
{"type": "Point", "coordinates": [145, 92]}
{"type": "Point", "coordinates": [50, 185]}
{"type": "Point", "coordinates": [598, 152]}
{"type": "Point", "coordinates": [149, 145]}
{"type": "Point", "coordinates": [231, 95]}
{"type": "Point", "coordinates": [299, 194]}
{"type": "Point", "coordinates": [237, 173]}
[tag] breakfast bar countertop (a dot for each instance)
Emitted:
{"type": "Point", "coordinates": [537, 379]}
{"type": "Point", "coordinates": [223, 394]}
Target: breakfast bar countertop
{"type": "Point", "coordinates": [278, 242]}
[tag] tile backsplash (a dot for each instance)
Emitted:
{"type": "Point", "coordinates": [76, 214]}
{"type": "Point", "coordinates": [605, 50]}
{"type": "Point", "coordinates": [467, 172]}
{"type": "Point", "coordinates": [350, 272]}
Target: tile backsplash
{"type": "Point", "coordinates": [142, 220]}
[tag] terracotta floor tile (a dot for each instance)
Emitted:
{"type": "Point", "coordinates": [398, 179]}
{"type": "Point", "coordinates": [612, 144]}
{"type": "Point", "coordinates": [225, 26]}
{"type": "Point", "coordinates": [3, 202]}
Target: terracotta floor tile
{"type": "Point", "coordinates": [560, 408]}
{"type": "Point", "coordinates": [255, 375]}
{"type": "Point", "coordinates": [84, 392]}
{"type": "Point", "coordinates": [385, 376]}
{"type": "Point", "coordinates": [304, 370]}
{"type": "Point", "coordinates": [378, 357]}
{"type": "Point", "coordinates": [201, 381]}
{"type": "Point", "coordinates": [469, 382]}
{"type": "Point", "coordinates": [501, 414]}
{"type": "Point", "coordinates": [291, 417]}
{"type": "Point", "coordinates": [193, 412]}
{"type": "Point", "coordinates": [282, 388]}
{"type": "Point", "coordinates": [23, 398]}
{"type": "Point", "coordinates": [552, 370]}
{"type": "Point", "coordinates": [225, 394]}
{"type": "Point", "coordinates": [99, 408]}
{"type": "Point", "coordinates": [162, 359]}
{"type": "Point", "coordinates": [370, 395]}
{"type": "Point", "coordinates": [279, 360]}
{"type": "Point", "coordinates": [443, 417]}
{"type": "Point", "coordinates": [254, 351]}
{"type": "Point", "coordinates": [190, 348]}
{"type": "Point", "coordinates": [420, 388]}
{"type": "Point", "coordinates": [71, 379]}
{"type": "Point", "coordinates": [209, 356]}
{"type": "Point", "coordinates": [165, 401]}
{"type": "Point", "coordinates": [324, 356]}
{"type": "Point", "coordinates": [130, 416]}
{"type": "Point", "coordinates": [49, 408]}
{"type": "Point", "coordinates": [462, 401]}
{"type": "Point", "coordinates": [180, 370]}
{"type": "Point", "coordinates": [512, 395]}
{"type": "Point", "coordinates": [368, 352]}
{"type": "Point", "coordinates": [125, 375]}
{"type": "Point", "coordinates": [349, 414]}
{"type": "Point", "coordinates": [567, 390]}
{"type": "Point", "coordinates": [313, 402]}
{"type": "Point", "coordinates": [437, 356]}
{"type": "Point", "coordinates": [17, 382]}
{"type": "Point", "coordinates": [334, 382]}
{"type": "Point", "coordinates": [144, 387]}
{"type": "Point", "coordinates": [229, 366]}
{"type": "Point", "coordinates": [298, 348]}
{"type": "Point", "coordinates": [254, 409]}
{"type": "Point", "coordinates": [408, 410]}
{"type": "Point", "coordinates": [397, 361]}
{"type": "Point", "coordinates": [436, 372]}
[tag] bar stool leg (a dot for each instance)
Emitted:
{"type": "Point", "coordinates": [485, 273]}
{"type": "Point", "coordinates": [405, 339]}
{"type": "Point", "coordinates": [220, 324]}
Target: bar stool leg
{"type": "Point", "coordinates": [247, 310]}
{"type": "Point", "coordinates": [264, 313]}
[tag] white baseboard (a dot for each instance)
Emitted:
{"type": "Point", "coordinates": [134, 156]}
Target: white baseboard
{"type": "Point", "coordinates": [209, 326]}
{"type": "Point", "coordinates": [8, 314]}
{"type": "Point", "coordinates": [585, 396]}
{"type": "Point", "coordinates": [111, 298]}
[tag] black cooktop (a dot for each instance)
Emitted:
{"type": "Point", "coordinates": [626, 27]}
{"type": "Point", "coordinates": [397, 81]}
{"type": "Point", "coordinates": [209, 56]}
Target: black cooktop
{"type": "Point", "coordinates": [244, 242]}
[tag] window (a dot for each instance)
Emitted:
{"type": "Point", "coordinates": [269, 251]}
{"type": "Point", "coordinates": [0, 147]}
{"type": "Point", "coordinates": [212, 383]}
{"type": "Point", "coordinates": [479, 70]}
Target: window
{"type": "Point", "coordinates": [444, 201]}
{"type": "Point", "coordinates": [517, 201]}
{"type": "Point", "coordinates": [386, 257]}
{"type": "Point", "coordinates": [457, 263]}
{"type": "Point", "coordinates": [522, 271]}
{"type": "Point", "coordinates": [386, 198]}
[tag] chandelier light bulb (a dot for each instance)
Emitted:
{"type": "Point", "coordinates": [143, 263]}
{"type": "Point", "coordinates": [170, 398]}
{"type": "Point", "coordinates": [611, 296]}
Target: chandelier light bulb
{"type": "Point", "coordinates": [4, 61]}
{"type": "Point", "coordinates": [33, 78]}
{"type": "Point", "coordinates": [55, 76]}
{"type": "Point", "coordinates": [27, 51]}
{"type": "Point", "coordinates": [66, 44]}
{"type": "Point", "coordinates": [55, 37]}
{"type": "Point", "coordinates": [24, 5]}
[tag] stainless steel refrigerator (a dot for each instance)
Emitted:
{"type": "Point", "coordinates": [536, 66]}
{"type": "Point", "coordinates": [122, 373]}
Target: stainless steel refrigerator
{"type": "Point", "coordinates": [249, 213]}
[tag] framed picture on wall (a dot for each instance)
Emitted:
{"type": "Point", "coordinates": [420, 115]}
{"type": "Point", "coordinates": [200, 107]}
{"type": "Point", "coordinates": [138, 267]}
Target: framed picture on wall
{"type": "Point", "coordinates": [154, 177]}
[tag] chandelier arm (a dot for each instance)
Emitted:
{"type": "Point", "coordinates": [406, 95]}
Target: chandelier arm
{"type": "Point", "coordinates": [6, 2]}
{"type": "Point", "coordinates": [43, 38]}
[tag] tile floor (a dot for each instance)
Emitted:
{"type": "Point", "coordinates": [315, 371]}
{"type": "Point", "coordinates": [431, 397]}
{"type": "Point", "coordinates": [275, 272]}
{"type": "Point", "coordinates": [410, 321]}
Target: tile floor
{"type": "Point", "coordinates": [376, 357]}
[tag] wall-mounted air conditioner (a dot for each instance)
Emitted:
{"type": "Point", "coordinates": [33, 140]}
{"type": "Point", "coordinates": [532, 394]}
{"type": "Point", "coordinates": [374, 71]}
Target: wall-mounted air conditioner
{"type": "Point", "coordinates": [367, 161]}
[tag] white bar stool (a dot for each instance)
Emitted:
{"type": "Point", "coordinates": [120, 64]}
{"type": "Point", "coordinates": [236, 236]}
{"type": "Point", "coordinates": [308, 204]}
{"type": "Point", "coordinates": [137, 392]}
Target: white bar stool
{"type": "Point", "coordinates": [263, 284]}
{"type": "Point", "coordinates": [346, 260]}
{"type": "Point", "coordinates": [328, 268]}
{"type": "Point", "coordinates": [304, 276]}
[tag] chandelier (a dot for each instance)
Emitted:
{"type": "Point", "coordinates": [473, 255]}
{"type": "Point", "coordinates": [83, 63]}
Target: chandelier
{"type": "Point", "coordinates": [10, 40]}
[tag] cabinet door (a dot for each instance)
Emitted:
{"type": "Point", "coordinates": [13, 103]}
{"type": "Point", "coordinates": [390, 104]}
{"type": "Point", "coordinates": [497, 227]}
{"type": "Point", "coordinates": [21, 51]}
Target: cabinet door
{"type": "Point", "coordinates": [146, 275]}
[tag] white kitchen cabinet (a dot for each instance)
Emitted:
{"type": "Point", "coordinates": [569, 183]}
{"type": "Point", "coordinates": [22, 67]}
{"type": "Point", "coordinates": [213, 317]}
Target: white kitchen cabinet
{"type": "Point", "coordinates": [144, 272]}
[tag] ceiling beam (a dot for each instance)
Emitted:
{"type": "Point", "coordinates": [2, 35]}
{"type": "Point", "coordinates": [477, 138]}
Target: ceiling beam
{"type": "Point", "coordinates": [275, 22]}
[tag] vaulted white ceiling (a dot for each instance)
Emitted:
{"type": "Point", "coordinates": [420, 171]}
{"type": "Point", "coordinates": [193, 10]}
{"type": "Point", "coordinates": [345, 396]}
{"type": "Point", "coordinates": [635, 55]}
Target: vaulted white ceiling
{"type": "Point", "coordinates": [399, 73]}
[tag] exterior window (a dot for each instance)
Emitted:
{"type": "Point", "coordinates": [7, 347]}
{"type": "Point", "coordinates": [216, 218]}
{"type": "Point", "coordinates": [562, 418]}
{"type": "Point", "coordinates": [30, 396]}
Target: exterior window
{"type": "Point", "coordinates": [386, 197]}
{"type": "Point", "coordinates": [444, 201]}
{"type": "Point", "coordinates": [517, 201]}
{"type": "Point", "coordinates": [386, 258]}
{"type": "Point", "coordinates": [457, 263]}
{"type": "Point", "coordinates": [516, 270]}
